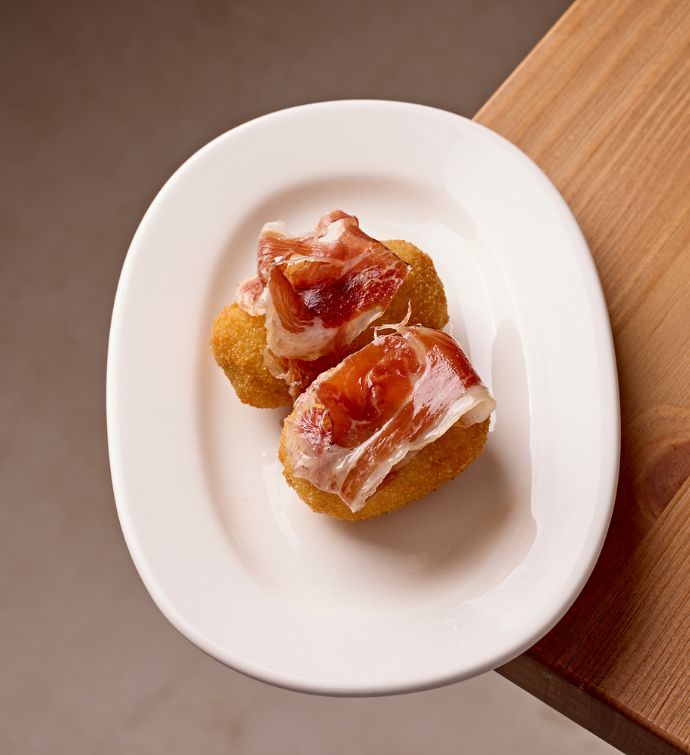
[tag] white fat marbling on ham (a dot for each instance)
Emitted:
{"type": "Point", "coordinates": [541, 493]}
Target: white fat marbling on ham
{"type": "Point", "coordinates": [319, 291]}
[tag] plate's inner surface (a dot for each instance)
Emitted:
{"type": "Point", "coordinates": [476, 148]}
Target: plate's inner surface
{"type": "Point", "coordinates": [451, 585]}
{"type": "Point", "coordinates": [458, 542]}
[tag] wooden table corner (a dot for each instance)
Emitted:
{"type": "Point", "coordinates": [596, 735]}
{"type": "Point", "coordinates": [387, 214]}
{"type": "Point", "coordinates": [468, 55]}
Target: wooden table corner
{"type": "Point", "coordinates": [602, 105]}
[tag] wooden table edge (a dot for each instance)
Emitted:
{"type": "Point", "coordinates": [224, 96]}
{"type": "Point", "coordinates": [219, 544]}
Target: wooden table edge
{"type": "Point", "coordinates": [615, 725]}
{"type": "Point", "coordinates": [585, 709]}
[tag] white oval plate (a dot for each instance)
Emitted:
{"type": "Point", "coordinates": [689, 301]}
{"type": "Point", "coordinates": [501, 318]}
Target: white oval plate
{"type": "Point", "coordinates": [450, 586]}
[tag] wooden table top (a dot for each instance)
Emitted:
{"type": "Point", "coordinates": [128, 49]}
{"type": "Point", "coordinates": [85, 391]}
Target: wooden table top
{"type": "Point", "coordinates": [603, 106]}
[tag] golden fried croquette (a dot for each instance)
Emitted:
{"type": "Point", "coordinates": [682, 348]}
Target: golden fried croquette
{"type": "Point", "coordinates": [238, 340]}
{"type": "Point", "coordinates": [422, 288]}
{"type": "Point", "coordinates": [435, 464]}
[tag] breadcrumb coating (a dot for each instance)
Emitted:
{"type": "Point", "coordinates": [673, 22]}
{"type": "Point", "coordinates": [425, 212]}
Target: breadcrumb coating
{"type": "Point", "coordinates": [422, 288]}
{"type": "Point", "coordinates": [435, 464]}
{"type": "Point", "coordinates": [238, 340]}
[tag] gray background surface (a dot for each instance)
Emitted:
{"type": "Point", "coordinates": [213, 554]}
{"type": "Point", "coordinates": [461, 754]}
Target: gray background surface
{"type": "Point", "coordinates": [100, 103]}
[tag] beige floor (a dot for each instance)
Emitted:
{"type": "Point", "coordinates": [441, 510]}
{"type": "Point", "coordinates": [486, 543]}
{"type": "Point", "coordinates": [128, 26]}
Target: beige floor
{"type": "Point", "coordinates": [100, 102]}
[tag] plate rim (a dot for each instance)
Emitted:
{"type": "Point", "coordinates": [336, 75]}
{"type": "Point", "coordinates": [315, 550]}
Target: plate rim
{"type": "Point", "coordinates": [592, 547]}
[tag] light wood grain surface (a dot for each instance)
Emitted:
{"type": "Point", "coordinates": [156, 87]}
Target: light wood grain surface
{"type": "Point", "coordinates": [603, 106]}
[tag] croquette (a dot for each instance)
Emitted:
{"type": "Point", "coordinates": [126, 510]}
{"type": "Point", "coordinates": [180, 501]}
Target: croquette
{"type": "Point", "coordinates": [435, 464]}
{"type": "Point", "coordinates": [422, 288]}
{"type": "Point", "coordinates": [238, 340]}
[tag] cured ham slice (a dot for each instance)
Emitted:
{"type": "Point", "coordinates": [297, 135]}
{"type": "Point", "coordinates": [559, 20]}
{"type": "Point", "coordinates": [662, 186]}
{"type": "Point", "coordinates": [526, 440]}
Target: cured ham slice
{"type": "Point", "coordinates": [319, 291]}
{"type": "Point", "coordinates": [379, 406]}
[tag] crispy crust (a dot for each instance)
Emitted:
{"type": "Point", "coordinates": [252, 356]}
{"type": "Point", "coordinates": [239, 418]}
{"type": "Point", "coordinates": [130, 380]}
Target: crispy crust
{"type": "Point", "coordinates": [238, 340]}
{"type": "Point", "coordinates": [422, 287]}
{"type": "Point", "coordinates": [435, 464]}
